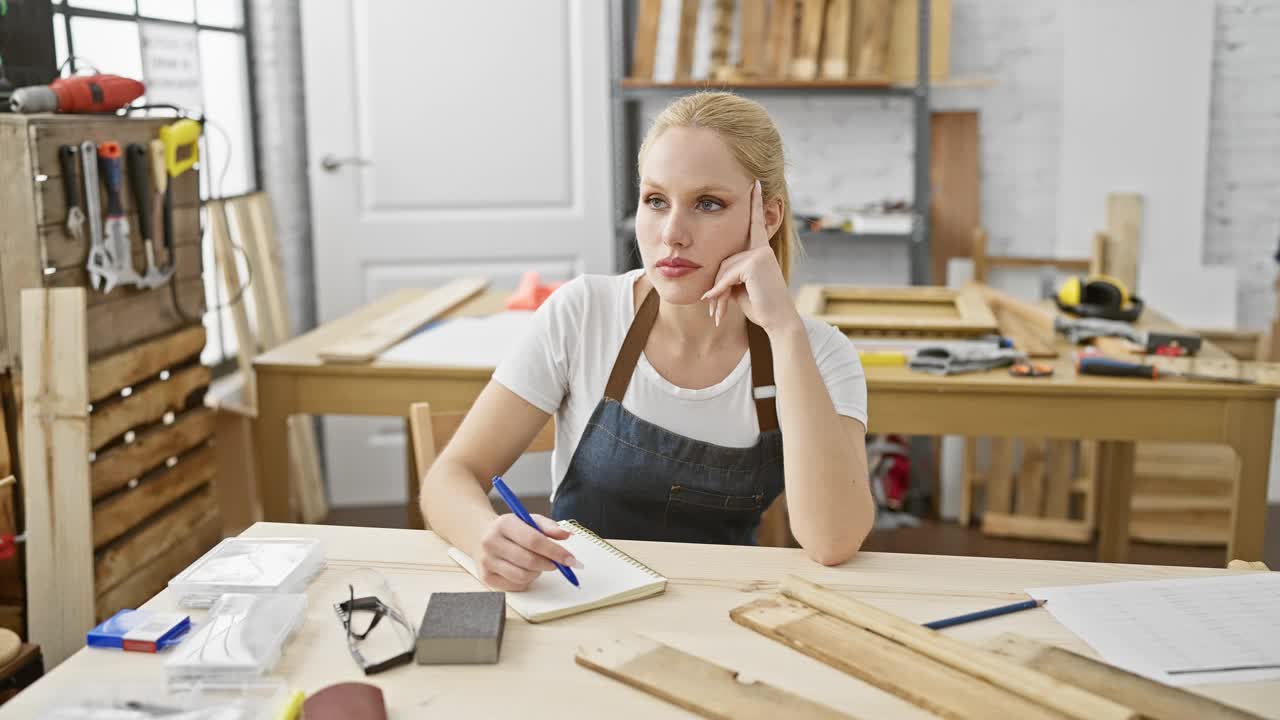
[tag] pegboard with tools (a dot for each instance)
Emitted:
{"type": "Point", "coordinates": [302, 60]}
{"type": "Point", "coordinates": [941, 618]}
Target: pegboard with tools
{"type": "Point", "coordinates": [111, 204]}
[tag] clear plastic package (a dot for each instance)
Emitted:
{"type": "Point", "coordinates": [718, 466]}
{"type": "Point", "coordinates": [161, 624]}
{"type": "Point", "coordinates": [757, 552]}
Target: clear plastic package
{"type": "Point", "coordinates": [240, 640]}
{"type": "Point", "coordinates": [258, 700]}
{"type": "Point", "coordinates": [249, 565]}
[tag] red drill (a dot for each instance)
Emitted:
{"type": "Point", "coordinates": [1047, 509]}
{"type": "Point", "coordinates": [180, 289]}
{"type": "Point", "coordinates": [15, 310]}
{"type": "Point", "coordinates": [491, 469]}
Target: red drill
{"type": "Point", "coordinates": [81, 93]}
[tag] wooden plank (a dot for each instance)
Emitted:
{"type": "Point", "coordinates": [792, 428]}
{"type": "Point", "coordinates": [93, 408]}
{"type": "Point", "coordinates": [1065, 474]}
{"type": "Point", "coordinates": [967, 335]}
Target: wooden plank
{"type": "Point", "coordinates": [999, 497]}
{"type": "Point", "coordinates": [55, 402]}
{"type": "Point", "coordinates": [645, 45]}
{"type": "Point", "coordinates": [901, 64]}
{"type": "Point", "coordinates": [122, 512]}
{"type": "Point", "coordinates": [955, 206]}
{"type": "Point", "coordinates": [782, 32]}
{"type": "Point", "coordinates": [804, 66]}
{"type": "Point", "coordinates": [115, 468]}
{"type": "Point", "coordinates": [868, 52]}
{"type": "Point", "coordinates": [811, 300]}
{"type": "Point", "coordinates": [224, 256]}
{"type": "Point", "coordinates": [21, 266]}
{"type": "Point", "coordinates": [235, 486]}
{"type": "Point", "coordinates": [1036, 528]}
{"type": "Point", "coordinates": [151, 540]}
{"type": "Point", "coordinates": [63, 253]}
{"type": "Point", "coordinates": [12, 584]}
{"type": "Point", "coordinates": [1029, 500]}
{"type": "Point", "coordinates": [732, 82]}
{"type": "Point", "coordinates": [968, 481]}
{"type": "Point", "coordinates": [307, 477]}
{"type": "Point", "coordinates": [146, 405]}
{"type": "Point", "coordinates": [113, 373]}
{"type": "Point", "coordinates": [918, 679]}
{"type": "Point", "coordinates": [1078, 265]}
{"type": "Point", "coordinates": [393, 327]}
{"type": "Point", "coordinates": [132, 320]}
{"type": "Point", "coordinates": [973, 307]}
{"type": "Point", "coordinates": [1181, 527]}
{"type": "Point", "coordinates": [1124, 230]}
{"type": "Point", "coordinates": [835, 42]}
{"type": "Point", "coordinates": [154, 577]}
{"type": "Point", "coordinates": [751, 40]}
{"type": "Point", "coordinates": [1029, 684]}
{"type": "Point", "coordinates": [1025, 336]}
{"type": "Point", "coordinates": [1241, 344]}
{"type": "Point", "coordinates": [258, 240]}
{"type": "Point", "coordinates": [1057, 499]}
{"type": "Point", "coordinates": [1256, 565]}
{"type": "Point", "coordinates": [692, 683]}
{"type": "Point", "coordinates": [1148, 697]}
{"type": "Point", "coordinates": [687, 40]}
{"type": "Point", "coordinates": [909, 293]}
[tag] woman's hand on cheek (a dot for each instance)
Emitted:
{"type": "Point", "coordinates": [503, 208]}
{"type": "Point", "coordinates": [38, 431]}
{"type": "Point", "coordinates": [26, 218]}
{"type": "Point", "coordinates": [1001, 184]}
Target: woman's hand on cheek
{"type": "Point", "coordinates": [753, 279]}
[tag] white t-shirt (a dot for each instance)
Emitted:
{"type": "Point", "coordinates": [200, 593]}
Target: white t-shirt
{"type": "Point", "coordinates": [563, 362]}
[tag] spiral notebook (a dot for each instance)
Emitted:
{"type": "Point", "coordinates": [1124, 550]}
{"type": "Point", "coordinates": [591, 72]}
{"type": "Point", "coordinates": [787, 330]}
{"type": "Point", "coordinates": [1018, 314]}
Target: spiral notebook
{"type": "Point", "coordinates": [608, 577]}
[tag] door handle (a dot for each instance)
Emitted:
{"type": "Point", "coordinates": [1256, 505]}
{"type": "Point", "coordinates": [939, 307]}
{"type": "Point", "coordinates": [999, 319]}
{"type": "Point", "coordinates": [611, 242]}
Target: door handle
{"type": "Point", "coordinates": [330, 163]}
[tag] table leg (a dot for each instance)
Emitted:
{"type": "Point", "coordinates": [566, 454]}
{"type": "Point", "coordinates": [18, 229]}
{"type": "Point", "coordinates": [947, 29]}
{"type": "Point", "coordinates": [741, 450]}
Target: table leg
{"type": "Point", "coordinates": [271, 443]}
{"type": "Point", "coordinates": [1115, 475]}
{"type": "Point", "coordinates": [415, 521]}
{"type": "Point", "coordinates": [1250, 426]}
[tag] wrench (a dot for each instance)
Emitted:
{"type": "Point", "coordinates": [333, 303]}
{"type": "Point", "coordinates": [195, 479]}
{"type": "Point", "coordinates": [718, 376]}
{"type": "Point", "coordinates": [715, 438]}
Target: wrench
{"type": "Point", "coordinates": [119, 251]}
{"type": "Point", "coordinates": [75, 215]}
{"type": "Point", "coordinates": [101, 273]}
{"type": "Point", "coordinates": [136, 156]}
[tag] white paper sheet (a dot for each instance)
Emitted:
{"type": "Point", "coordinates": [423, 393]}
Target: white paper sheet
{"type": "Point", "coordinates": [463, 342]}
{"type": "Point", "coordinates": [1179, 632]}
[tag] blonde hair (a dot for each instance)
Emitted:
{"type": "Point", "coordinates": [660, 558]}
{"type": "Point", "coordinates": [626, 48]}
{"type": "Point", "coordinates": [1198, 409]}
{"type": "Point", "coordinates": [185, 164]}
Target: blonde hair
{"type": "Point", "coordinates": [745, 126]}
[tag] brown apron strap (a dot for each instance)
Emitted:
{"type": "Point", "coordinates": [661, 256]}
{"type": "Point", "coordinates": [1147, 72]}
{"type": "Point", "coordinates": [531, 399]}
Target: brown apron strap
{"type": "Point", "coordinates": [762, 387]}
{"type": "Point", "coordinates": [638, 334]}
{"type": "Point", "coordinates": [632, 346]}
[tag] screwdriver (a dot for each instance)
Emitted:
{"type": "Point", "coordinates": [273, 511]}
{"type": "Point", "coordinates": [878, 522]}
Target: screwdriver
{"type": "Point", "coordinates": [1119, 368]}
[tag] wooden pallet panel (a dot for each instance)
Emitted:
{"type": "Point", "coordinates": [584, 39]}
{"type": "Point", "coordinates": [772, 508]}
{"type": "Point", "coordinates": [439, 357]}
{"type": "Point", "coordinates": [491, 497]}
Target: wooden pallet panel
{"type": "Point", "coordinates": [63, 253]}
{"type": "Point", "coordinates": [152, 540]}
{"type": "Point", "coordinates": [21, 266]}
{"type": "Point", "coordinates": [140, 363]}
{"type": "Point", "coordinates": [147, 404]}
{"type": "Point", "coordinates": [115, 468]}
{"type": "Point", "coordinates": [122, 512]}
{"type": "Point", "coordinates": [131, 320]}
{"type": "Point", "coordinates": [150, 579]}
{"type": "Point", "coordinates": [59, 549]}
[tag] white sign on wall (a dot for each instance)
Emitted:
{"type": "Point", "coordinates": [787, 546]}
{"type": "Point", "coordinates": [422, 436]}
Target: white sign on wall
{"type": "Point", "coordinates": [171, 65]}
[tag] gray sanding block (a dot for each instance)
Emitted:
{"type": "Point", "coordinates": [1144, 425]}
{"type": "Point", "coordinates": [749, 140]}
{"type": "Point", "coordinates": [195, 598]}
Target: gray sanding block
{"type": "Point", "coordinates": [462, 628]}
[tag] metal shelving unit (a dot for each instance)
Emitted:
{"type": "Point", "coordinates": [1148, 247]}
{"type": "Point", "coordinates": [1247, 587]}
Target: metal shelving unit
{"type": "Point", "coordinates": [626, 96]}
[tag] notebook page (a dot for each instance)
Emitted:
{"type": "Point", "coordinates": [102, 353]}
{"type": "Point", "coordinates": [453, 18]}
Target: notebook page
{"type": "Point", "coordinates": [1179, 632]}
{"type": "Point", "coordinates": [463, 342]}
{"type": "Point", "coordinates": [603, 577]}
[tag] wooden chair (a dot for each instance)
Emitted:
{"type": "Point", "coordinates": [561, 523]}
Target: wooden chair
{"type": "Point", "coordinates": [429, 433]}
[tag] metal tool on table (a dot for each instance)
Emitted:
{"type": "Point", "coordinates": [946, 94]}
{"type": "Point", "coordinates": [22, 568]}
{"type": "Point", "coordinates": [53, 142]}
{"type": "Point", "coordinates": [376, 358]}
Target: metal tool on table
{"type": "Point", "coordinates": [136, 158]}
{"type": "Point", "coordinates": [1098, 365]}
{"type": "Point", "coordinates": [1152, 342]}
{"type": "Point", "coordinates": [75, 213]}
{"type": "Point", "coordinates": [1031, 369]}
{"type": "Point", "coordinates": [116, 237]}
{"type": "Point", "coordinates": [952, 360]}
{"type": "Point", "coordinates": [102, 275]}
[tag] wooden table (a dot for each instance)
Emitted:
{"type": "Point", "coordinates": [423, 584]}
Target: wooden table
{"type": "Point", "coordinates": [1118, 412]}
{"type": "Point", "coordinates": [537, 670]}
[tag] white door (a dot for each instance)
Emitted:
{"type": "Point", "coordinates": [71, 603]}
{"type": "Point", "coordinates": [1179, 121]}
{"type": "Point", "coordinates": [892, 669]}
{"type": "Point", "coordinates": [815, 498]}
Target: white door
{"type": "Point", "coordinates": [449, 139]}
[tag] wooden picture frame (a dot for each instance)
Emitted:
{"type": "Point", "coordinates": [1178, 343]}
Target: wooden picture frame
{"type": "Point", "coordinates": [922, 310]}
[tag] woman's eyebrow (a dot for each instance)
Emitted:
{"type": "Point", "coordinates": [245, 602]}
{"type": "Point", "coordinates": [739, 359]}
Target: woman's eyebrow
{"type": "Point", "coordinates": [719, 189]}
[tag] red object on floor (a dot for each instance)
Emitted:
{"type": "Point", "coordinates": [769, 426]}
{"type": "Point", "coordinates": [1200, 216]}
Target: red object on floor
{"type": "Point", "coordinates": [530, 293]}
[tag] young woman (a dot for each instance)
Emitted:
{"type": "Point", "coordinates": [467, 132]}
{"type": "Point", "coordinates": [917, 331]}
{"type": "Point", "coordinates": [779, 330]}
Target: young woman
{"type": "Point", "coordinates": [673, 386]}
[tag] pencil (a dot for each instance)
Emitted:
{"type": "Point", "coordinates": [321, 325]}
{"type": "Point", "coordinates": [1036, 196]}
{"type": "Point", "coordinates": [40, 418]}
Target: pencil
{"type": "Point", "coordinates": [984, 614]}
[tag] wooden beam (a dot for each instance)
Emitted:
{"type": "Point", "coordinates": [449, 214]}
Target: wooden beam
{"type": "Point", "coordinates": [697, 685]}
{"type": "Point", "coordinates": [1029, 500]}
{"type": "Point", "coordinates": [955, 202]}
{"type": "Point", "coordinates": [888, 665]}
{"type": "Point", "coordinates": [1148, 697]}
{"type": "Point", "coordinates": [146, 405]}
{"type": "Point", "coordinates": [155, 538]}
{"type": "Point", "coordinates": [12, 584]}
{"type": "Point", "coordinates": [366, 345]}
{"type": "Point", "coordinates": [122, 512]}
{"type": "Point", "coordinates": [1124, 228]}
{"type": "Point", "coordinates": [1001, 524]}
{"type": "Point", "coordinates": [1057, 498]}
{"type": "Point", "coordinates": [114, 469]}
{"type": "Point", "coordinates": [113, 373]}
{"type": "Point", "coordinates": [1031, 685]}
{"type": "Point", "coordinates": [55, 419]}
{"type": "Point", "coordinates": [225, 257]}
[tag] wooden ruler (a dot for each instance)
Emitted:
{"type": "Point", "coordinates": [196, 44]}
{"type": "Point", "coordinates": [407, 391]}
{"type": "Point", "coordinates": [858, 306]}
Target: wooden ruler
{"type": "Point", "coordinates": [695, 684]}
{"type": "Point", "coordinates": [1148, 697]}
{"type": "Point", "coordinates": [398, 324]}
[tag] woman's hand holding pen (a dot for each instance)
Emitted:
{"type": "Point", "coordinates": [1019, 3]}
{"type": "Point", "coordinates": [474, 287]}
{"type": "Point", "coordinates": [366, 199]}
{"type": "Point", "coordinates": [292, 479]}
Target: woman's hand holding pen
{"type": "Point", "coordinates": [754, 279]}
{"type": "Point", "coordinates": [512, 554]}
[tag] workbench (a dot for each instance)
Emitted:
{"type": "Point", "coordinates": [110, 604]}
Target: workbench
{"type": "Point", "coordinates": [1115, 411]}
{"type": "Point", "coordinates": [536, 673]}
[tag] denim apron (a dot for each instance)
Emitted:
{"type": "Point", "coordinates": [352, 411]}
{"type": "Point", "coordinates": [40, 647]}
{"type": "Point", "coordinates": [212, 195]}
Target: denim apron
{"type": "Point", "coordinates": [631, 479]}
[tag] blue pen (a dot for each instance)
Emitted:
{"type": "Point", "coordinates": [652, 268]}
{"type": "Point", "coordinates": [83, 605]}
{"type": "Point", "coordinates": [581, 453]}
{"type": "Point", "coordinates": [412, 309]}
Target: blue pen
{"type": "Point", "coordinates": [513, 502]}
{"type": "Point", "coordinates": [984, 614]}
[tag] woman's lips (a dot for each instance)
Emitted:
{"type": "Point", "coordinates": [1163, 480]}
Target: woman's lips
{"type": "Point", "coordinates": [674, 267]}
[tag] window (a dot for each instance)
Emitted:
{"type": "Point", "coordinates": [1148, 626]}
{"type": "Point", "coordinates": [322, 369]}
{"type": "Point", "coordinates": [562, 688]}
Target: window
{"type": "Point", "coordinates": [106, 35]}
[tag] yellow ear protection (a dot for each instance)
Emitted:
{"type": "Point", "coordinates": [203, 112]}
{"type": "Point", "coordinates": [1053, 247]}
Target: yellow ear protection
{"type": "Point", "coordinates": [1099, 296]}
